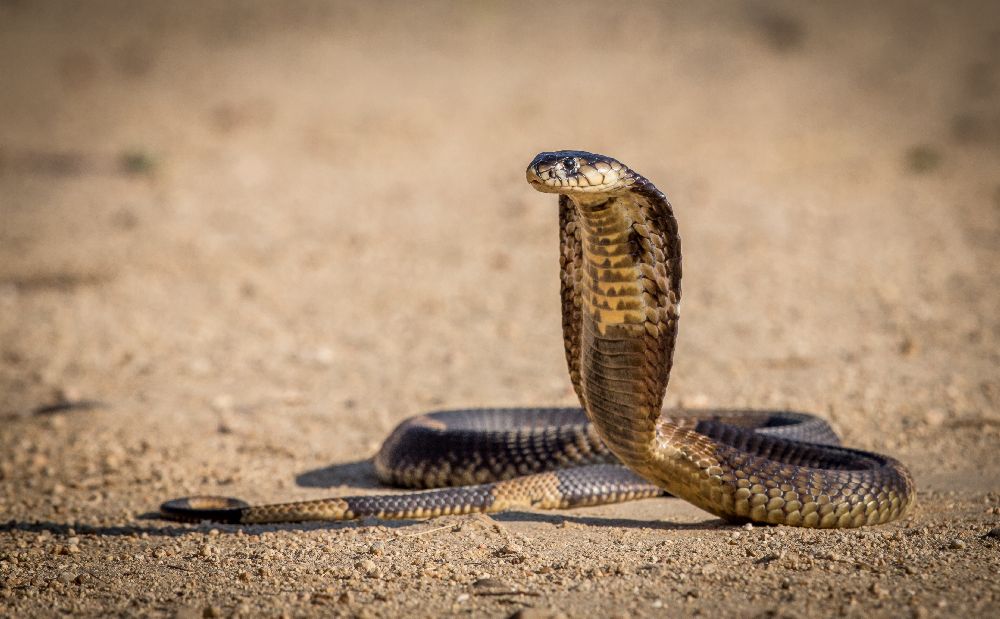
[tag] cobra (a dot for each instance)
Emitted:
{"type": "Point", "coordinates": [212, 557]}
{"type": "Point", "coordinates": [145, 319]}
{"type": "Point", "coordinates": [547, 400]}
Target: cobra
{"type": "Point", "coordinates": [620, 259]}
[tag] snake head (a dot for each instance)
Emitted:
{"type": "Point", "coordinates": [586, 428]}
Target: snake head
{"type": "Point", "coordinates": [578, 172]}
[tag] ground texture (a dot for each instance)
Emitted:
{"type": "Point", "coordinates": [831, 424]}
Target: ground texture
{"type": "Point", "coordinates": [239, 243]}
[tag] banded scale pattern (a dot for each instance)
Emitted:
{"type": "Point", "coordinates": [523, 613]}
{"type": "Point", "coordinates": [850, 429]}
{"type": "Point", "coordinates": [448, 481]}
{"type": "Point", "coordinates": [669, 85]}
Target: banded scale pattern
{"type": "Point", "coordinates": [492, 460]}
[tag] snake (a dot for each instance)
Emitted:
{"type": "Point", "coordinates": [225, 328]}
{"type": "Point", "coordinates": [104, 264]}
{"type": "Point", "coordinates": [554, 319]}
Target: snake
{"type": "Point", "coordinates": [620, 288]}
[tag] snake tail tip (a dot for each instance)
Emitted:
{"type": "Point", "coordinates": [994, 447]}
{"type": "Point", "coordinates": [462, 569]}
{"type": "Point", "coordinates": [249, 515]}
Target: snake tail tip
{"type": "Point", "coordinates": [198, 508]}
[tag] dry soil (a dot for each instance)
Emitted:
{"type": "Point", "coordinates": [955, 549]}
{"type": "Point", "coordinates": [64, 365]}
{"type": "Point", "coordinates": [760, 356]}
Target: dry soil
{"type": "Point", "coordinates": [240, 242]}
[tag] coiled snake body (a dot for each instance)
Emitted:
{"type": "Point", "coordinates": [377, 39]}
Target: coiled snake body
{"type": "Point", "coordinates": [621, 269]}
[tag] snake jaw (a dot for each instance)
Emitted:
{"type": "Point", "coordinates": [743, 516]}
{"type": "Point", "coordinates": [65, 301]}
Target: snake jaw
{"type": "Point", "coordinates": [576, 172]}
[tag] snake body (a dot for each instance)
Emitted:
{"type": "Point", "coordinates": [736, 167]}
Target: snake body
{"type": "Point", "coordinates": [620, 264]}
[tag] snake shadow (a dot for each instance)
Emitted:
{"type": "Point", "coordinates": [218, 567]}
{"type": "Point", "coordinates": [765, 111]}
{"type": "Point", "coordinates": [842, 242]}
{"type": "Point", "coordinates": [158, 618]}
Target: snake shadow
{"type": "Point", "coordinates": [176, 529]}
{"type": "Point", "coordinates": [155, 528]}
{"type": "Point", "coordinates": [567, 516]}
{"type": "Point", "coordinates": [358, 474]}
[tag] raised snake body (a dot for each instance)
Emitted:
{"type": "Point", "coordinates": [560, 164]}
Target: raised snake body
{"type": "Point", "coordinates": [621, 267]}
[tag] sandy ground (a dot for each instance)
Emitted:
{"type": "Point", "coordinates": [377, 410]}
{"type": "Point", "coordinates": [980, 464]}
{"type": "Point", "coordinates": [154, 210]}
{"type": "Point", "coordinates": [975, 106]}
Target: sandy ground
{"type": "Point", "coordinates": [238, 244]}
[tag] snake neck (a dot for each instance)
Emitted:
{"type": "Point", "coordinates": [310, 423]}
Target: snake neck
{"type": "Point", "coordinates": [629, 291]}
{"type": "Point", "coordinates": [611, 293]}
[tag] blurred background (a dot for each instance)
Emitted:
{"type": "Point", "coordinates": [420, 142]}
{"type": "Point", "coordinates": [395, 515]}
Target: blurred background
{"type": "Point", "coordinates": [231, 228]}
{"type": "Point", "coordinates": [240, 241]}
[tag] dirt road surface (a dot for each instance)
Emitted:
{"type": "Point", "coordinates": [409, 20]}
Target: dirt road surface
{"type": "Point", "coordinates": [240, 242]}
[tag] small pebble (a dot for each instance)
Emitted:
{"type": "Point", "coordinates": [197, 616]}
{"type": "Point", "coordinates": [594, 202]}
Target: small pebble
{"type": "Point", "coordinates": [368, 567]}
{"type": "Point", "coordinates": [491, 584]}
{"type": "Point", "coordinates": [223, 402]}
{"type": "Point", "coordinates": [537, 613]}
{"type": "Point", "coordinates": [957, 544]}
{"type": "Point", "coordinates": [324, 356]}
{"type": "Point", "coordinates": [934, 418]}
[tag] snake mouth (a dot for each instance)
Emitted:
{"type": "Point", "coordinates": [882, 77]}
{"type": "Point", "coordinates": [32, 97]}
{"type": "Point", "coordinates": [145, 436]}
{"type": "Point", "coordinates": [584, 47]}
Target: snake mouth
{"type": "Point", "coordinates": [545, 185]}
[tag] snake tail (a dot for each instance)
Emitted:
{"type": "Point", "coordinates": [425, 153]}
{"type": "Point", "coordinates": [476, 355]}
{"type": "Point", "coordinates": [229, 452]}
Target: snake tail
{"type": "Point", "coordinates": [561, 489]}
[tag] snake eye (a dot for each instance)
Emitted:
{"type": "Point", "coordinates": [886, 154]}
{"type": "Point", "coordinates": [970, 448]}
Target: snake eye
{"type": "Point", "coordinates": [570, 165]}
